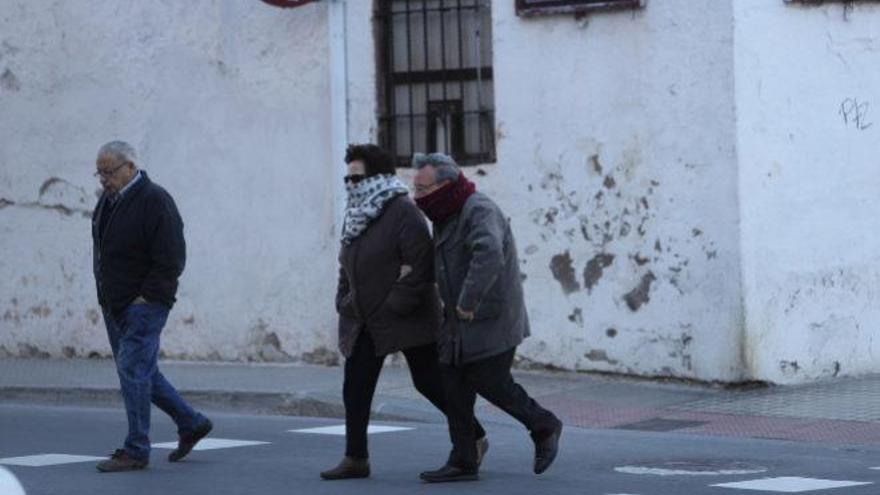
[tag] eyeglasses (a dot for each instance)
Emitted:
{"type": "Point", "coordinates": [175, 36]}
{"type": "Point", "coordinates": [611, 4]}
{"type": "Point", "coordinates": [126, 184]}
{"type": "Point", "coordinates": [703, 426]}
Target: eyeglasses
{"type": "Point", "coordinates": [354, 178]}
{"type": "Point", "coordinates": [109, 173]}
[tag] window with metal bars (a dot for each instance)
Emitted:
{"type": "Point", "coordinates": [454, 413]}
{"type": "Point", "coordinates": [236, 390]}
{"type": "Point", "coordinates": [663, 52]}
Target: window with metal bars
{"type": "Point", "coordinates": [435, 79]}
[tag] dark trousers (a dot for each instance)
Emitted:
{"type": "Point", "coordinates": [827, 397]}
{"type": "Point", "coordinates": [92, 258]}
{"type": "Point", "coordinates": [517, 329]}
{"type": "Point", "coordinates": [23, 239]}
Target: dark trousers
{"type": "Point", "coordinates": [361, 374]}
{"type": "Point", "coordinates": [134, 339]}
{"type": "Point", "coordinates": [491, 379]}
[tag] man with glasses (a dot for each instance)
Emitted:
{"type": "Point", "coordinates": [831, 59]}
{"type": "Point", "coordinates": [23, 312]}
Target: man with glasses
{"type": "Point", "coordinates": [139, 253]}
{"type": "Point", "coordinates": [477, 271]}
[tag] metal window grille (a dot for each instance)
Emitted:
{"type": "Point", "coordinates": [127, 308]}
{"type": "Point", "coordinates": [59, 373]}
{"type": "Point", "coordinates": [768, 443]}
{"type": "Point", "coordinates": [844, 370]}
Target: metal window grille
{"type": "Point", "coordinates": [435, 84]}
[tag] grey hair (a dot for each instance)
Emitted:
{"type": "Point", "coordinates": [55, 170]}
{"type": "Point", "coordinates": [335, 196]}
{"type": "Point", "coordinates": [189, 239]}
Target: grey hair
{"type": "Point", "coordinates": [445, 167]}
{"type": "Point", "coordinates": [119, 151]}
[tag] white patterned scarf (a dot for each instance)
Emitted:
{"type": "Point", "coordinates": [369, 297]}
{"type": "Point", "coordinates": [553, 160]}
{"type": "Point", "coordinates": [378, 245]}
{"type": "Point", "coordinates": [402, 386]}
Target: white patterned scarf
{"type": "Point", "coordinates": [366, 200]}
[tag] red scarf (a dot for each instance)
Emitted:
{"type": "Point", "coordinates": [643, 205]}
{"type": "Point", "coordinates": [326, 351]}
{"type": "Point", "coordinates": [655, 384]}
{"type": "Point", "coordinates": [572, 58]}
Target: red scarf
{"type": "Point", "coordinates": [448, 200]}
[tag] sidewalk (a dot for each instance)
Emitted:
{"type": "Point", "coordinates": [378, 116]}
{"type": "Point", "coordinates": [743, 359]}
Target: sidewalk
{"type": "Point", "coordinates": [839, 411]}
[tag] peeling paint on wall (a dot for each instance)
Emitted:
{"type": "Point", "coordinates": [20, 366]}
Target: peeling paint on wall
{"type": "Point", "coordinates": [9, 81]}
{"type": "Point", "coordinates": [599, 355]}
{"type": "Point", "coordinates": [641, 294]}
{"type": "Point", "coordinates": [93, 315]}
{"type": "Point", "coordinates": [594, 162]}
{"type": "Point", "coordinates": [321, 356]}
{"type": "Point", "coordinates": [577, 316]}
{"type": "Point", "coordinates": [594, 269]}
{"type": "Point", "coordinates": [265, 345]}
{"type": "Point", "coordinates": [563, 272]}
{"type": "Point", "coordinates": [30, 351]}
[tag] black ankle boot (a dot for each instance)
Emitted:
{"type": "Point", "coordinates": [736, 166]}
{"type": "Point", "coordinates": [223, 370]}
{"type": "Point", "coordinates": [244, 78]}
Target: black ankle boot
{"type": "Point", "coordinates": [546, 447]}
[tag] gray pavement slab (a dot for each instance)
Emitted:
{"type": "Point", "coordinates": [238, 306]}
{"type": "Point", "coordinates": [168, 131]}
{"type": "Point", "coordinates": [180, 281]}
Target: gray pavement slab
{"type": "Point", "coordinates": [845, 410]}
{"type": "Point", "coordinates": [848, 399]}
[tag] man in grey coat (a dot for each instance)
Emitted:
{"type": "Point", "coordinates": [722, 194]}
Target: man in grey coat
{"type": "Point", "coordinates": [485, 316]}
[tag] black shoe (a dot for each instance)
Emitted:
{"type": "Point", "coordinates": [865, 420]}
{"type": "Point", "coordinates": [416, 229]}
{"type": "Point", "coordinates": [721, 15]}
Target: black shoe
{"type": "Point", "coordinates": [186, 443]}
{"type": "Point", "coordinates": [121, 461]}
{"type": "Point", "coordinates": [546, 448]}
{"type": "Point", "coordinates": [349, 468]}
{"type": "Point", "coordinates": [450, 473]}
{"type": "Point", "coordinates": [482, 448]}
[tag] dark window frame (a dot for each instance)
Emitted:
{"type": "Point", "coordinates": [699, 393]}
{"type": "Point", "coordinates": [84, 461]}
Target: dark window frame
{"type": "Point", "coordinates": [820, 2]}
{"type": "Point", "coordinates": [528, 8]}
{"type": "Point", "coordinates": [287, 4]}
{"type": "Point", "coordinates": [461, 119]}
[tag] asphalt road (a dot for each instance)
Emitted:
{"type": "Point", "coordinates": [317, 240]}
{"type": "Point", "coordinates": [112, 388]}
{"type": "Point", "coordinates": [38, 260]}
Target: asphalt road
{"type": "Point", "coordinates": [284, 462]}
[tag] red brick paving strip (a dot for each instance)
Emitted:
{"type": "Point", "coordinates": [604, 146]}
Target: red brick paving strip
{"type": "Point", "coordinates": [595, 414]}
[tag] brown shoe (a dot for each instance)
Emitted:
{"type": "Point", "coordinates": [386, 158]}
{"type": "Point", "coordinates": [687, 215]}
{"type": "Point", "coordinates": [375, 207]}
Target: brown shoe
{"type": "Point", "coordinates": [449, 473]}
{"type": "Point", "coordinates": [482, 448]}
{"type": "Point", "coordinates": [186, 444]}
{"type": "Point", "coordinates": [121, 461]}
{"type": "Point", "coordinates": [350, 467]}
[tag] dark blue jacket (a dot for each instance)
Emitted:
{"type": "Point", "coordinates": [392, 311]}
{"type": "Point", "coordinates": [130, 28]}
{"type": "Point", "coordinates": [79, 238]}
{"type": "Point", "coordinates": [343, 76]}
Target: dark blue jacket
{"type": "Point", "coordinates": [139, 250]}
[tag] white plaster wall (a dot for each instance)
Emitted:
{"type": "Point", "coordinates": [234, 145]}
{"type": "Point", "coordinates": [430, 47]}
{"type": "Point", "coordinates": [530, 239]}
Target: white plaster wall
{"type": "Point", "coordinates": [810, 187]}
{"type": "Point", "coordinates": [616, 138]}
{"type": "Point", "coordinates": [228, 104]}
{"type": "Point", "coordinates": [649, 95]}
{"type": "Point", "coordinates": [361, 64]}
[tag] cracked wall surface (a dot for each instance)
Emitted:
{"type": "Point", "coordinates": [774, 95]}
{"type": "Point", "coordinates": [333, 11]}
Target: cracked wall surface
{"type": "Point", "coordinates": [621, 184]}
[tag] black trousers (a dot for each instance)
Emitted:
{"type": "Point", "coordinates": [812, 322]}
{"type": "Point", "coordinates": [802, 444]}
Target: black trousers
{"type": "Point", "coordinates": [361, 375]}
{"type": "Point", "coordinates": [491, 379]}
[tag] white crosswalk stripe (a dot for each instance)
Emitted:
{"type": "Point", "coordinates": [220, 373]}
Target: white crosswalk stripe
{"type": "Point", "coordinates": [656, 471]}
{"type": "Point", "coordinates": [212, 444]}
{"type": "Point", "coordinates": [40, 460]}
{"type": "Point", "coordinates": [340, 430]}
{"type": "Point", "coordinates": [790, 484]}
{"type": "Point", "coordinates": [9, 484]}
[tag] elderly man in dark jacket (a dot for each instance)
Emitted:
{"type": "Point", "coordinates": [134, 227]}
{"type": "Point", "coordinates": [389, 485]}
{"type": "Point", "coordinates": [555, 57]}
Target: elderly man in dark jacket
{"type": "Point", "coordinates": [484, 315]}
{"type": "Point", "coordinates": [386, 298]}
{"type": "Point", "coordinates": [139, 253]}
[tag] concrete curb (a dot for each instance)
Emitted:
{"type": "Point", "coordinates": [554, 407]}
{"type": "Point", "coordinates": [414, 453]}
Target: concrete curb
{"type": "Point", "coordinates": [305, 404]}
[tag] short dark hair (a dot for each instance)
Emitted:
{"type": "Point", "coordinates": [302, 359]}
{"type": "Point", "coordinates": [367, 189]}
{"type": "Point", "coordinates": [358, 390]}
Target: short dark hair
{"type": "Point", "coordinates": [376, 160]}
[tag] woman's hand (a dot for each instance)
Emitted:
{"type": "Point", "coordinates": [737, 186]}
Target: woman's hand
{"type": "Point", "coordinates": [464, 315]}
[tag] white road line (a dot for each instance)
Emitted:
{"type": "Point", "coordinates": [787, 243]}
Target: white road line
{"type": "Point", "coordinates": [684, 472]}
{"type": "Point", "coordinates": [40, 460]}
{"type": "Point", "coordinates": [9, 484]}
{"type": "Point", "coordinates": [790, 484]}
{"type": "Point", "coordinates": [340, 430]}
{"type": "Point", "coordinates": [212, 444]}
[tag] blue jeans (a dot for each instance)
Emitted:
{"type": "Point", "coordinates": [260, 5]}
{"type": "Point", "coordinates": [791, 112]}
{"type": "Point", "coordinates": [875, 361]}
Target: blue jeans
{"type": "Point", "coordinates": [134, 338]}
